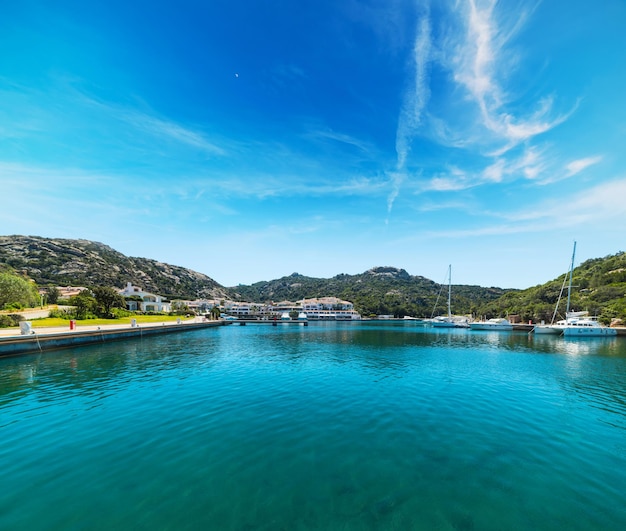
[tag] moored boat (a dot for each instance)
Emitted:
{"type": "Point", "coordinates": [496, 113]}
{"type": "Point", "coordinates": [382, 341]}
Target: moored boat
{"type": "Point", "coordinates": [579, 324]}
{"type": "Point", "coordinates": [449, 321]}
{"type": "Point", "coordinates": [452, 321]}
{"type": "Point", "coordinates": [554, 329]}
{"type": "Point", "coordinates": [575, 324]}
{"type": "Point", "coordinates": [497, 323]}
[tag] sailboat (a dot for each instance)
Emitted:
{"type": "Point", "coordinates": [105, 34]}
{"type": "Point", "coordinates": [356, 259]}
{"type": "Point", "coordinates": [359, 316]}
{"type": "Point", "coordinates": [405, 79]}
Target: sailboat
{"type": "Point", "coordinates": [575, 324]}
{"type": "Point", "coordinates": [557, 328]}
{"type": "Point", "coordinates": [450, 321]}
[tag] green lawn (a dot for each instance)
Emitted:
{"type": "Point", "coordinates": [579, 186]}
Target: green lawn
{"type": "Point", "coordinates": [55, 321]}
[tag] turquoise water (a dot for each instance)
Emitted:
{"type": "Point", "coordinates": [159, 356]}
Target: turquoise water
{"type": "Point", "coordinates": [340, 426]}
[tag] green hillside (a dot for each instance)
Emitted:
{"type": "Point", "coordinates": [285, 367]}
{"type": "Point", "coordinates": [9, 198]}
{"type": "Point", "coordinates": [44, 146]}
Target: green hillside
{"type": "Point", "coordinates": [381, 290]}
{"type": "Point", "coordinates": [598, 286]}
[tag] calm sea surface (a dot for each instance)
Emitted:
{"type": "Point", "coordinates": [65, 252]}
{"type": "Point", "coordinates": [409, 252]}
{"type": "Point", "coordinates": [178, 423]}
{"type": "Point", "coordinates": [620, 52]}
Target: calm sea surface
{"type": "Point", "coordinates": [330, 426]}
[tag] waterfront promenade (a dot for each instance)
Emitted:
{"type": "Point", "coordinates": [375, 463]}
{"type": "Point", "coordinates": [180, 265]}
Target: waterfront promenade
{"type": "Point", "coordinates": [13, 342]}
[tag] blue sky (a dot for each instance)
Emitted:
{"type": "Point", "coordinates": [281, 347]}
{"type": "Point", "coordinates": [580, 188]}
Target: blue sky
{"type": "Point", "coordinates": [248, 140]}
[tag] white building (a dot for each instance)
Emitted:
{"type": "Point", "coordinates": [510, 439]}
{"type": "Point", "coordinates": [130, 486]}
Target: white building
{"type": "Point", "coordinates": [329, 308]}
{"type": "Point", "coordinates": [146, 302]}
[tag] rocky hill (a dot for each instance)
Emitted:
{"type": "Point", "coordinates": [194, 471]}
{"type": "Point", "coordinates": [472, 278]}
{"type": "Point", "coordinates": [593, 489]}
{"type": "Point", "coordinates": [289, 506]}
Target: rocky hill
{"type": "Point", "coordinates": [600, 284]}
{"type": "Point", "coordinates": [380, 290]}
{"type": "Point", "coordinates": [64, 262]}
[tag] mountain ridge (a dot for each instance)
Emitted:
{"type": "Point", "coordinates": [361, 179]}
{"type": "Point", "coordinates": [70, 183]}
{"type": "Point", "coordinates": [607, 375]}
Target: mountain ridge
{"type": "Point", "coordinates": [81, 262]}
{"type": "Point", "coordinates": [600, 283]}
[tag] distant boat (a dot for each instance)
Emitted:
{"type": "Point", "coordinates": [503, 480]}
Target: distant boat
{"type": "Point", "coordinates": [575, 324]}
{"type": "Point", "coordinates": [285, 317]}
{"type": "Point", "coordinates": [498, 323]}
{"type": "Point", "coordinates": [417, 320]}
{"type": "Point", "coordinates": [302, 316]}
{"type": "Point", "coordinates": [554, 328]}
{"type": "Point", "coordinates": [449, 321]}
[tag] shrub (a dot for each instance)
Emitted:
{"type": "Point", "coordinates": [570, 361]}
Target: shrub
{"type": "Point", "coordinates": [13, 306]}
{"type": "Point", "coordinates": [62, 314]}
{"type": "Point", "coordinates": [118, 313]}
{"type": "Point", "coordinates": [9, 320]}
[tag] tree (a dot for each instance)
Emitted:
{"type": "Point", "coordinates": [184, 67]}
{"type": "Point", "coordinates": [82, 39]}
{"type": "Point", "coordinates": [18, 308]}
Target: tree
{"type": "Point", "coordinates": [180, 307]}
{"type": "Point", "coordinates": [85, 304]}
{"type": "Point", "coordinates": [106, 299]}
{"type": "Point", "coordinates": [15, 290]}
{"type": "Point", "coordinates": [53, 294]}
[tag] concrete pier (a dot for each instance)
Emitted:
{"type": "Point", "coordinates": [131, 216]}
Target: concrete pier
{"type": "Point", "coordinates": [12, 342]}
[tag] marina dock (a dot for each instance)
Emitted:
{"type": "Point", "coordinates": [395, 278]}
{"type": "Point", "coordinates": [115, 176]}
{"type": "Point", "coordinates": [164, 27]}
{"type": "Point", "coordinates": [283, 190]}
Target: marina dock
{"type": "Point", "coordinates": [12, 342]}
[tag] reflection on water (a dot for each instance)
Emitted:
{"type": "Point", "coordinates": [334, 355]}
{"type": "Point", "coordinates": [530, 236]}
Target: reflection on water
{"type": "Point", "coordinates": [330, 426]}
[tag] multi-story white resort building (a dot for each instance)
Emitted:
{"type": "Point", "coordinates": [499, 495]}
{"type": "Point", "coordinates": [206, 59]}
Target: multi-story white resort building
{"type": "Point", "coordinates": [330, 308]}
{"type": "Point", "coordinates": [323, 308]}
{"type": "Point", "coordinates": [140, 300]}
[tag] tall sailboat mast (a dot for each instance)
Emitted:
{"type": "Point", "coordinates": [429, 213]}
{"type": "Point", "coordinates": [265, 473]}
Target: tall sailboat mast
{"type": "Point", "coordinates": [569, 287]}
{"type": "Point", "coordinates": [449, 290]}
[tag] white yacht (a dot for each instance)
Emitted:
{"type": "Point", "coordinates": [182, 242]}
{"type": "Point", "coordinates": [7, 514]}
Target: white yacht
{"type": "Point", "coordinates": [579, 324]}
{"type": "Point", "coordinates": [554, 328]}
{"type": "Point", "coordinates": [575, 324]}
{"type": "Point", "coordinates": [497, 323]}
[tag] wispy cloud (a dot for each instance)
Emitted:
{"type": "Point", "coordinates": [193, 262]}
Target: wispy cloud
{"type": "Point", "coordinates": [263, 186]}
{"type": "Point", "coordinates": [397, 178]}
{"type": "Point", "coordinates": [414, 102]}
{"type": "Point", "coordinates": [152, 124]}
{"type": "Point", "coordinates": [528, 165]}
{"type": "Point", "coordinates": [416, 95]}
{"type": "Point", "coordinates": [576, 166]}
{"type": "Point", "coordinates": [594, 207]}
{"type": "Point", "coordinates": [479, 65]}
{"type": "Point", "coordinates": [342, 138]}
{"type": "Point", "coordinates": [169, 130]}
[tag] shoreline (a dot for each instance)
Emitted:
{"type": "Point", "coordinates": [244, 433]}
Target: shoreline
{"type": "Point", "coordinates": [45, 339]}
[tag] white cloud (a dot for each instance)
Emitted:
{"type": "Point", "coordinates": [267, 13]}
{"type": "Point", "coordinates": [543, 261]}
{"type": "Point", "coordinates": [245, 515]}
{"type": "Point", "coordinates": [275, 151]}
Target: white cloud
{"type": "Point", "coordinates": [414, 101]}
{"type": "Point", "coordinates": [341, 138]}
{"type": "Point", "coordinates": [594, 207]}
{"type": "Point", "coordinates": [576, 166]}
{"type": "Point", "coordinates": [480, 64]}
{"type": "Point", "coordinates": [495, 172]}
{"type": "Point", "coordinates": [416, 96]}
{"type": "Point", "coordinates": [170, 130]}
{"type": "Point", "coordinates": [453, 181]}
{"type": "Point", "coordinates": [527, 165]}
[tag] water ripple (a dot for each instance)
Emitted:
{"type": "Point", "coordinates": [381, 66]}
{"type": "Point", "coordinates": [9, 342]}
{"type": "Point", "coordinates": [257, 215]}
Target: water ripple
{"type": "Point", "coordinates": [331, 426]}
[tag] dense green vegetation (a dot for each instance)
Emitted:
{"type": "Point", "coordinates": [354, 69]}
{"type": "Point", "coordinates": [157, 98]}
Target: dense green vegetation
{"type": "Point", "coordinates": [25, 262]}
{"type": "Point", "coordinates": [598, 286]}
{"type": "Point", "coordinates": [379, 291]}
{"type": "Point", "coordinates": [17, 292]}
